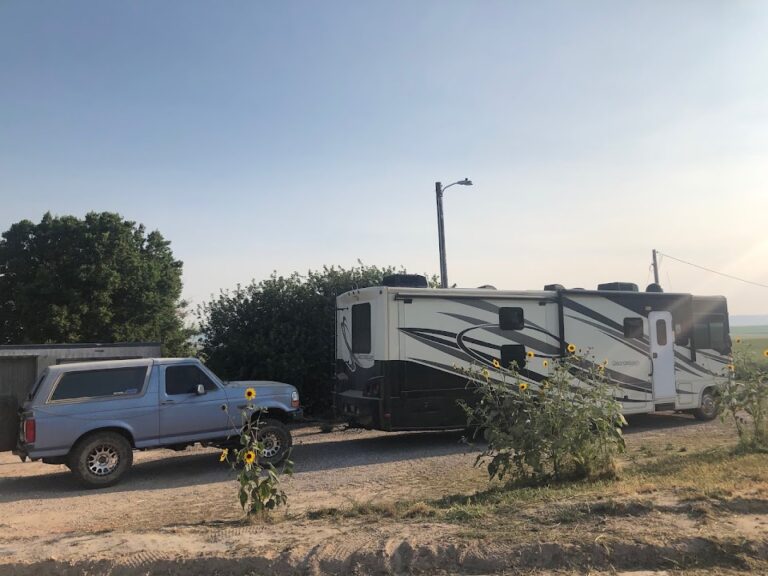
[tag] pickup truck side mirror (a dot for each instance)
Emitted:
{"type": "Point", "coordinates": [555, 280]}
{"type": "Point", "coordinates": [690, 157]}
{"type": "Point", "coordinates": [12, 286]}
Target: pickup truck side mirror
{"type": "Point", "coordinates": [200, 390]}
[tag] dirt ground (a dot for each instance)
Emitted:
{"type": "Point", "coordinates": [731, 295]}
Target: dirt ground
{"type": "Point", "coordinates": [176, 513]}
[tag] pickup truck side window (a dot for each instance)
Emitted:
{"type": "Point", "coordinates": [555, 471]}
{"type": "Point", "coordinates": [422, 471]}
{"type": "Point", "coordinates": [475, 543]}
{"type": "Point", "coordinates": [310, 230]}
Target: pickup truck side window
{"type": "Point", "coordinates": [100, 383]}
{"type": "Point", "coordinates": [184, 380]}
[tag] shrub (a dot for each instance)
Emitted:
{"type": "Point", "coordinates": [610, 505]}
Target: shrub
{"type": "Point", "coordinates": [747, 395]}
{"type": "Point", "coordinates": [282, 328]}
{"type": "Point", "coordinates": [566, 427]}
{"type": "Point", "coordinates": [258, 492]}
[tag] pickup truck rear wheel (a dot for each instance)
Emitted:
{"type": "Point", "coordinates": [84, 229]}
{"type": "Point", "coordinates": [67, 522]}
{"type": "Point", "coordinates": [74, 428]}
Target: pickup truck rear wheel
{"type": "Point", "coordinates": [276, 439]}
{"type": "Point", "coordinates": [101, 459]}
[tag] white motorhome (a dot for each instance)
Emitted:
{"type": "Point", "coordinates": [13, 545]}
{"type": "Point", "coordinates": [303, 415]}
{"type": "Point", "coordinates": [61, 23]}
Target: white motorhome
{"type": "Point", "coordinates": [400, 349]}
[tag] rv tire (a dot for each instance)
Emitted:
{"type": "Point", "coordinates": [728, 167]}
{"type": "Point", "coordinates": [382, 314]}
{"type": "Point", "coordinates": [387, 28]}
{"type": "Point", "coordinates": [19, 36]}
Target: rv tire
{"type": "Point", "coordinates": [710, 406]}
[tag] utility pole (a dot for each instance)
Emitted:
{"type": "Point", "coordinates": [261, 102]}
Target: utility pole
{"type": "Point", "coordinates": [439, 189]}
{"type": "Point", "coordinates": [655, 268]}
{"type": "Point", "coordinates": [441, 235]}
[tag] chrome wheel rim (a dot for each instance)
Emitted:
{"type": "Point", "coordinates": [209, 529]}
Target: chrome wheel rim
{"type": "Point", "coordinates": [272, 445]}
{"type": "Point", "coordinates": [103, 460]}
{"type": "Point", "coordinates": [708, 405]}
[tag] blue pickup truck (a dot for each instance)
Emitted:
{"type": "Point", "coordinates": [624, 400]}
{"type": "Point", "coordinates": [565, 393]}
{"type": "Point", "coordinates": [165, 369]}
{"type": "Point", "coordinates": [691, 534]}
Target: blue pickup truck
{"type": "Point", "coordinates": [92, 415]}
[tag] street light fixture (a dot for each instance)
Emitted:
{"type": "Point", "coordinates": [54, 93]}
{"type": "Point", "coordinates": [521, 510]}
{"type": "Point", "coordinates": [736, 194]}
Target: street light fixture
{"type": "Point", "coordinates": [439, 189]}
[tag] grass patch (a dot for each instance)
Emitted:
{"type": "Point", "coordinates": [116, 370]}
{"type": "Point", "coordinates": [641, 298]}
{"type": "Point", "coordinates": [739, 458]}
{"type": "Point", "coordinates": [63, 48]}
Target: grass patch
{"type": "Point", "coordinates": [714, 475]}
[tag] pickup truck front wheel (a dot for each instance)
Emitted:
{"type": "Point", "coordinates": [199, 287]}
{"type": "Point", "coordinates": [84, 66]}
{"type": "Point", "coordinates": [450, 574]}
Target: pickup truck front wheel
{"type": "Point", "coordinates": [276, 439]}
{"type": "Point", "coordinates": [101, 459]}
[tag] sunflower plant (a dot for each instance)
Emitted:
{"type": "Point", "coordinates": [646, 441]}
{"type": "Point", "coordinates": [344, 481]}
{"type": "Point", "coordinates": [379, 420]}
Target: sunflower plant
{"type": "Point", "coordinates": [259, 483]}
{"type": "Point", "coordinates": [568, 426]}
{"type": "Point", "coordinates": [744, 399]}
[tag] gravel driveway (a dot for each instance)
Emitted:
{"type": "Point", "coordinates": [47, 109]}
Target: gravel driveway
{"type": "Point", "coordinates": [44, 514]}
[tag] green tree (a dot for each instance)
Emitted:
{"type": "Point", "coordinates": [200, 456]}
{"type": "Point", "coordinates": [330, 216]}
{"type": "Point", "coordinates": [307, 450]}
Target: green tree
{"type": "Point", "coordinates": [282, 328]}
{"type": "Point", "coordinates": [97, 279]}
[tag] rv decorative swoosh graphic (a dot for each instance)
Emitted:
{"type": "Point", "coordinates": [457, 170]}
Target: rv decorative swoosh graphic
{"type": "Point", "coordinates": [352, 363]}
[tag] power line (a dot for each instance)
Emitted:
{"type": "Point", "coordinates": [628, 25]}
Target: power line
{"type": "Point", "coordinates": [713, 271]}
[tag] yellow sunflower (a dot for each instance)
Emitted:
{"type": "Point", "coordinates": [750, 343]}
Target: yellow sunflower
{"type": "Point", "coordinates": [496, 363]}
{"type": "Point", "coordinates": [523, 386]}
{"type": "Point", "coordinates": [765, 352]}
{"type": "Point", "coordinates": [224, 454]}
{"type": "Point", "coordinates": [731, 368]}
{"type": "Point", "coordinates": [738, 340]}
{"type": "Point", "coordinates": [544, 363]}
{"type": "Point", "coordinates": [485, 373]}
{"type": "Point", "coordinates": [530, 354]}
{"type": "Point", "coordinates": [249, 457]}
{"type": "Point", "coordinates": [250, 393]}
{"type": "Point", "coordinates": [571, 348]}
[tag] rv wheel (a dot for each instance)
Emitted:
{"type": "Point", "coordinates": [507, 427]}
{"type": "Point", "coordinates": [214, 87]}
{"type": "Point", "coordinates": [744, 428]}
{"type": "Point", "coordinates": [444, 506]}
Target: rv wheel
{"type": "Point", "coordinates": [709, 408]}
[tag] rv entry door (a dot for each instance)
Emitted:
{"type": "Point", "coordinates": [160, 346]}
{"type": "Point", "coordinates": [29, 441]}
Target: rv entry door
{"type": "Point", "coordinates": [662, 359]}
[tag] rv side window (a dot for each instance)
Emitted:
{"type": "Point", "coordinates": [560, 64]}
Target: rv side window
{"type": "Point", "coordinates": [361, 328]}
{"type": "Point", "coordinates": [511, 319]}
{"type": "Point", "coordinates": [701, 336]}
{"type": "Point", "coordinates": [681, 338]}
{"type": "Point", "coordinates": [633, 328]}
{"type": "Point", "coordinates": [710, 333]}
{"type": "Point", "coordinates": [717, 335]}
{"type": "Point", "coordinates": [513, 353]}
{"type": "Point", "coordinates": [661, 332]}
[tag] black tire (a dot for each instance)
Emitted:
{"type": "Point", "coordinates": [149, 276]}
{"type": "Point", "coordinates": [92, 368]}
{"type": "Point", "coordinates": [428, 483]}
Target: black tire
{"type": "Point", "coordinates": [710, 406]}
{"type": "Point", "coordinates": [277, 441]}
{"type": "Point", "coordinates": [101, 459]}
{"type": "Point", "coordinates": [9, 422]}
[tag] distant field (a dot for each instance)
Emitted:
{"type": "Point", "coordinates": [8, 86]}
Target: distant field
{"type": "Point", "coordinates": [750, 331]}
{"type": "Point", "coordinates": [754, 342]}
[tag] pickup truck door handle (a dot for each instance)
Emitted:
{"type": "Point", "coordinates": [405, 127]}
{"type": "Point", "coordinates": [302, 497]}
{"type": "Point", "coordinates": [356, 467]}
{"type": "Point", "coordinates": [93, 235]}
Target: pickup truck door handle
{"type": "Point", "coordinates": [168, 402]}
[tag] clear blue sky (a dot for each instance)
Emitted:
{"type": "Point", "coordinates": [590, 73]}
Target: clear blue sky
{"type": "Point", "coordinates": [262, 136]}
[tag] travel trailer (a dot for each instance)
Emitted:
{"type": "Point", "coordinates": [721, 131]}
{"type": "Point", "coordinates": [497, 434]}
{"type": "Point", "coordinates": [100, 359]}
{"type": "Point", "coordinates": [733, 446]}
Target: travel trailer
{"type": "Point", "coordinates": [400, 350]}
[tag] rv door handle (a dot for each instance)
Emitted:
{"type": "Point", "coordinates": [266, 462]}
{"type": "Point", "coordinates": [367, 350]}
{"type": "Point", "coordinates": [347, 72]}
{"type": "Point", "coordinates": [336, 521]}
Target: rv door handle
{"type": "Point", "coordinates": [655, 355]}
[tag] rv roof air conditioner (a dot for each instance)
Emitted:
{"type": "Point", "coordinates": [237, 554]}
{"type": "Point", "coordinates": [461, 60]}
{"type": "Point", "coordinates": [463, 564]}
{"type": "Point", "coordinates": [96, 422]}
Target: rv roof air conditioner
{"type": "Point", "coordinates": [486, 287]}
{"type": "Point", "coordinates": [554, 287]}
{"type": "Point", "coordinates": [618, 287]}
{"type": "Point", "coordinates": [653, 287]}
{"type": "Point", "coordinates": [405, 281]}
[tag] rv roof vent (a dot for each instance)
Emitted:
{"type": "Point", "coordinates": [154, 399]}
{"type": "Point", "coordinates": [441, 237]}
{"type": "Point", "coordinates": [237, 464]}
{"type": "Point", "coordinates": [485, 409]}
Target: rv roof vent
{"type": "Point", "coordinates": [405, 280]}
{"type": "Point", "coordinates": [653, 287]}
{"type": "Point", "coordinates": [486, 287]}
{"type": "Point", "coordinates": [554, 287]}
{"type": "Point", "coordinates": [618, 287]}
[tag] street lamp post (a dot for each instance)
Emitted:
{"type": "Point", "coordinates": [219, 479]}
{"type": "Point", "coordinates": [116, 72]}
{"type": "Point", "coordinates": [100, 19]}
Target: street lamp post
{"type": "Point", "coordinates": [439, 189]}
